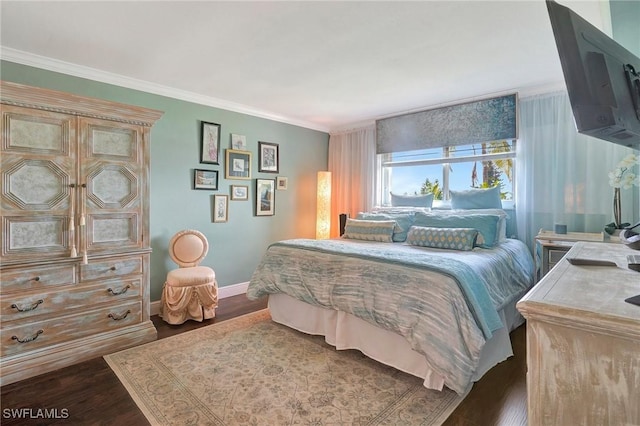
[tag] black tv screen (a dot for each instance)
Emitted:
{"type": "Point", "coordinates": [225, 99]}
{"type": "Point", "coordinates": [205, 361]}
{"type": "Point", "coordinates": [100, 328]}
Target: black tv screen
{"type": "Point", "coordinates": [602, 78]}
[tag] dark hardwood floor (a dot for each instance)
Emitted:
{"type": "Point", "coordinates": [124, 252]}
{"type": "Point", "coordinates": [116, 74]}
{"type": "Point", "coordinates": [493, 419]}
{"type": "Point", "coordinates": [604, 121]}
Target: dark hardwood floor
{"type": "Point", "coordinates": [89, 393]}
{"type": "Point", "coordinates": [500, 397]}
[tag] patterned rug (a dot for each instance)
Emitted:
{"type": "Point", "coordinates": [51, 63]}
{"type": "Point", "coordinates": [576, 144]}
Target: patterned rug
{"type": "Point", "coordinates": [252, 371]}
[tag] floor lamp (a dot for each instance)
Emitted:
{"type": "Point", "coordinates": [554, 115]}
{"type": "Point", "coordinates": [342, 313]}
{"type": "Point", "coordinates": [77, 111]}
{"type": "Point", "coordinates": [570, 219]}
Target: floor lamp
{"type": "Point", "coordinates": [323, 206]}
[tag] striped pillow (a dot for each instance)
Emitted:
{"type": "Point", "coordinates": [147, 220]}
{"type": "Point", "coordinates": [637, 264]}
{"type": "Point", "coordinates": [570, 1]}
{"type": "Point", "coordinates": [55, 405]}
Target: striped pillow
{"type": "Point", "coordinates": [443, 238]}
{"type": "Point", "coordinates": [370, 230]}
{"type": "Point", "coordinates": [404, 221]}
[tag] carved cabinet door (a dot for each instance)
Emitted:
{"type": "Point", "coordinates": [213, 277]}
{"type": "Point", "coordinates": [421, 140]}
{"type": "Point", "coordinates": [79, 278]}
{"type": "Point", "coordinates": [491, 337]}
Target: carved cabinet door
{"type": "Point", "coordinates": [113, 190]}
{"type": "Point", "coordinates": [39, 169]}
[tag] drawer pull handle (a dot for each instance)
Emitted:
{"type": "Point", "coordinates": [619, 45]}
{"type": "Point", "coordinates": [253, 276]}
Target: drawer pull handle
{"type": "Point", "coordinates": [121, 317]}
{"type": "Point", "coordinates": [28, 339]}
{"type": "Point", "coordinates": [119, 292]}
{"type": "Point", "coordinates": [36, 278]}
{"type": "Point", "coordinates": [113, 268]}
{"type": "Point", "coordinates": [28, 308]}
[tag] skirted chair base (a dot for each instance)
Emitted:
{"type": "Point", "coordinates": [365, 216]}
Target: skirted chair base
{"type": "Point", "coordinates": [189, 294]}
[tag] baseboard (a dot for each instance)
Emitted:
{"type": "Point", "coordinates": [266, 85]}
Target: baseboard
{"type": "Point", "coordinates": [226, 291]}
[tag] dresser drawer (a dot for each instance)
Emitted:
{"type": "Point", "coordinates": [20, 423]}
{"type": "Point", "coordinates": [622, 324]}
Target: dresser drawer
{"type": "Point", "coordinates": [41, 277]}
{"type": "Point", "coordinates": [40, 334]}
{"type": "Point", "coordinates": [116, 267]}
{"type": "Point", "coordinates": [15, 307]}
{"type": "Point", "coordinates": [555, 255]}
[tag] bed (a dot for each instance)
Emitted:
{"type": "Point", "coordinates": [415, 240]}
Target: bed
{"type": "Point", "coordinates": [432, 295]}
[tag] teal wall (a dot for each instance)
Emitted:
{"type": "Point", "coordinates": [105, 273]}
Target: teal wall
{"type": "Point", "coordinates": [236, 246]}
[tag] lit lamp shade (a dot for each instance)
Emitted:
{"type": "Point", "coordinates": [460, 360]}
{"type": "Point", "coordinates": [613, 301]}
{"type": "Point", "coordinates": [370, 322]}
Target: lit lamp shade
{"type": "Point", "coordinates": [323, 213]}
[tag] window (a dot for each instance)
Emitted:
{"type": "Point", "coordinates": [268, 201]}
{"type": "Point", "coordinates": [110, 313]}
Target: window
{"type": "Point", "coordinates": [439, 170]}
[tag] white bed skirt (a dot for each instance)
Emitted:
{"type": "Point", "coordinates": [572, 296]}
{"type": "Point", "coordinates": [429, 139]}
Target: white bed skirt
{"type": "Point", "coordinates": [345, 331]}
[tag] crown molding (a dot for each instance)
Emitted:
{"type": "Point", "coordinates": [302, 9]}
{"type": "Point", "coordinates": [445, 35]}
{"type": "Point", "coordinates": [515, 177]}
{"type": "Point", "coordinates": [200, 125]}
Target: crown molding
{"type": "Point", "coordinates": [50, 64]}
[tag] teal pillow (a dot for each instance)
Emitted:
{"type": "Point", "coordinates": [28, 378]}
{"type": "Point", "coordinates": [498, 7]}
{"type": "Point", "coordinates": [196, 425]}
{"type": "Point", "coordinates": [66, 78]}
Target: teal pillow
{"type": "Point", "coordinates": [370, 230]}
{"type": "Point", "coordinates": [502, 221]}
{"type": "Point", "coordinates": [443, 238]}
{"type": "Point", "coordinates": [404, 221]}
{"type": "Point", "coordinates": [476, 199]}
{"type": "Point", "coordinates": [425, 200]}
{"type": "Point", "coordinates": [485, 224]}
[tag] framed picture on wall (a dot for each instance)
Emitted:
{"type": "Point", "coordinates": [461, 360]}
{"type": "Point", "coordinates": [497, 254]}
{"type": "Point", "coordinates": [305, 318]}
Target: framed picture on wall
{"type": "Point", "coordinates": [237, 164]}
{"type": "Point", "coordinates": [210, 143]}
{"type": "Point", "coordinates": [281, 183]}
{"type": "Point", "coordinates": [265, 197]}
{"type": "Point", "coordinates": [239, 192]}
{"type": "Point", "coordinates": [268, 157]}
{"type": "Point", "coordinates": [238, 142]}
{"type": "Point", "coordinates": [220, 208]}
{"type": "Point", "coordinates": [205, 179]}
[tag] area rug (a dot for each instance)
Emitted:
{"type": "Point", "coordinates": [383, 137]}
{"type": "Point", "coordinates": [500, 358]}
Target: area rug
{"type": "Point", "coordinates": [252, 371]}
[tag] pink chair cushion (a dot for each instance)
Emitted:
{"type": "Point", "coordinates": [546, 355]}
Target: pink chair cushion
{"type": "Point", "coordinates": [186, 277]}
{"type": "Point", "coordinates": [188, 249]}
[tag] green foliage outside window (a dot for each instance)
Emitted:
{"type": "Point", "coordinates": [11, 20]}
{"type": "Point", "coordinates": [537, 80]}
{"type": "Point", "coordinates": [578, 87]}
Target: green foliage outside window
{"type": "Point", "coordinates": [432, 188]}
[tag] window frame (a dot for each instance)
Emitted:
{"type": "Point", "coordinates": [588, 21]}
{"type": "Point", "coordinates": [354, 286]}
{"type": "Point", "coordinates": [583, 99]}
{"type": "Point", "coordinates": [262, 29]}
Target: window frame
{"type": "Point", "coordinates": [385, 166]}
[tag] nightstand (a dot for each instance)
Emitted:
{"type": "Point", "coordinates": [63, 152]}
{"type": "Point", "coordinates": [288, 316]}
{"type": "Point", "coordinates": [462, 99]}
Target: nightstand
{"type": "Point", "coordinates": [551, 247]}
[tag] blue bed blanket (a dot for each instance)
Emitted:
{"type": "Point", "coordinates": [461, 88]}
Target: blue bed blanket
{"type": "Point", "coordinates": [444, 302]}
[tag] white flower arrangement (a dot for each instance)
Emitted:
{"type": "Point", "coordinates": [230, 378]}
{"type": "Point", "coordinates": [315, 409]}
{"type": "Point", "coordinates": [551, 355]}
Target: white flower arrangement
{"type": "Point", "coordinates": [623, 176]}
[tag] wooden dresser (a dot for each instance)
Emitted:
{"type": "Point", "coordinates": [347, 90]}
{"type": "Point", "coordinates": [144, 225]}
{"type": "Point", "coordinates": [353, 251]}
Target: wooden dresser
{"type": "Point", "coordinates": [74, 260]}
{"type": "Point", "coordinates": [583, 341]}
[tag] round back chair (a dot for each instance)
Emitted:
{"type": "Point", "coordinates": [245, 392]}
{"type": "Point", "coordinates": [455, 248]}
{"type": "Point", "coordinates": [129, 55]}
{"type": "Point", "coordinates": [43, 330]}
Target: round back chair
{"type": "Point", "coordinates": [188, 248]}
{"type": "Point", "coordinates": [191, 291]}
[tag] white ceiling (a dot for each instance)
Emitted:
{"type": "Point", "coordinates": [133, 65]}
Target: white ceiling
{"type": "Point", "coordinates": [327, 65]}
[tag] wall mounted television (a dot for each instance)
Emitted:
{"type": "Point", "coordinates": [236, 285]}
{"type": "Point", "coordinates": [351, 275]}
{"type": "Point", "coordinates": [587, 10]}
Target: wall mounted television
{"type": "Point", "coordinates": [602, 78]}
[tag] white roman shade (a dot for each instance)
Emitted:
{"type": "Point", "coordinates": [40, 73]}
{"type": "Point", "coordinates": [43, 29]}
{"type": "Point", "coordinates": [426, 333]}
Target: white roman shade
{"type": "Point", "coordinates": [463, 124]}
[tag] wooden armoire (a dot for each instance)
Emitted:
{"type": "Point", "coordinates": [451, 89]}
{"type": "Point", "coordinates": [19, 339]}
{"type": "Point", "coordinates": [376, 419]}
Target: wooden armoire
{"type": "Point", "coordinates": [74, 261]}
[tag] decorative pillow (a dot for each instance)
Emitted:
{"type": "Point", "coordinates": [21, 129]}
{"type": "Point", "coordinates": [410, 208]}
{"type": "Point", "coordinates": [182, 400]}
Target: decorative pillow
{"type": "Point", "coordinates": [487, 225]}
{"type": "Point", "coordinates": [425, 200]}
{"type": "Point", "coordinates": [370, 230]}
{"type": "Point", "coordinates": [476, 199]}
{"type": "Point", "coordinates": [443, 238]}
{"type": "Point", "coordinates": [502, 222]}
{"type": "Point", "coordinates": [403, 221]}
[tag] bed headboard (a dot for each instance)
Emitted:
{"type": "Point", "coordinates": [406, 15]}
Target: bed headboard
{"type": "Point", "coordinates": [343, 221]}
